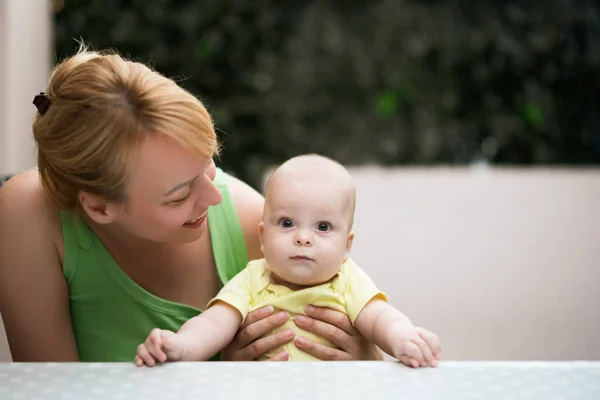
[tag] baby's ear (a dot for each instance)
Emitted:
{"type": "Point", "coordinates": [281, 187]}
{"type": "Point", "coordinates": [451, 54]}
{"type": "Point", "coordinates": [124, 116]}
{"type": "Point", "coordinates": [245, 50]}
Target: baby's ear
{"type": "Point", "coordinates": [349, 244]}
{"type": "Point", "coordinates": [261, 229]}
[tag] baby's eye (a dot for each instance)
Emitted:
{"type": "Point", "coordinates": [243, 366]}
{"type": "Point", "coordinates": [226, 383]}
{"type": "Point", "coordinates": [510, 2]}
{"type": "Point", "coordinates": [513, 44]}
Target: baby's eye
{"type": "Point", "coordinates": [286, 223]}
{"type": "Point", "coordinates": [323, 226]}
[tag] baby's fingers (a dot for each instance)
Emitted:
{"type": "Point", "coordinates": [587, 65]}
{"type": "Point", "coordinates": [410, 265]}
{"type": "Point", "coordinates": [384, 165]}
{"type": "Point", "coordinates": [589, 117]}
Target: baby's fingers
{"type": "Point", "coordinates": [413, 351]}
{"type": "Point", "coordinates": [171, 347]}
{"type": "Point", "coordinates": [426, 351]}
{"type": "Point", "coordinates": [410, 362]}
{"type": "Point", "coordinates": [144, 356]}
{"type": "Point", "coordinates": [432, 341]}
{"type": "Point", "coordinates": [154, 344]}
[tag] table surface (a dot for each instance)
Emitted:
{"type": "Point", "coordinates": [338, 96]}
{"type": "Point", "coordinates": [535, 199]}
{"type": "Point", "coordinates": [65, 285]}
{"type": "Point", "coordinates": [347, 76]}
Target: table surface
{"type": "Point", "coordinates": [299, 380]}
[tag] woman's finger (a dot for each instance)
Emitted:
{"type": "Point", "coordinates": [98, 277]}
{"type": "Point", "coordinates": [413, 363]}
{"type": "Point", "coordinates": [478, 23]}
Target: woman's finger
{"type": "Point", "coordinates": [263, 345]}
{"type": "Point", "coordinates": [332, 317]}
{"type": "Point", "coordinates": [281, 356]}
{"type": "Point", "coordinates": [322, 352]}
{"type": "Point", "coordinates": [257, 315]}
{"type": "Point", "coordinates": [255, 330]}
{"type": "Point", "coordinates": [335, 335]}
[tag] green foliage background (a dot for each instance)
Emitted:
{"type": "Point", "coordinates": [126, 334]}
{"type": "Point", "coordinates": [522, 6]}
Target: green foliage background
{"type": "Point", "coordinates": [385, 81]}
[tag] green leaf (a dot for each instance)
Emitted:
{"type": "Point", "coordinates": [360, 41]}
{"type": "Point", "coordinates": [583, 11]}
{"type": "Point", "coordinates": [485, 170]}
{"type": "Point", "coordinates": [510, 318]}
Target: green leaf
{"type": "Point", "coordinates": [387, 103]}
{"type": "Point", "coordinates": [203, 50]}
{"type": "Point", "coordinates": [533, 114]}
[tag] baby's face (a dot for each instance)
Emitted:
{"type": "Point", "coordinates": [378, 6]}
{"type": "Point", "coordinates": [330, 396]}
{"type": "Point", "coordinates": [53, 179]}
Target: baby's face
{"type": "Point", "coordinates": [306, 230]}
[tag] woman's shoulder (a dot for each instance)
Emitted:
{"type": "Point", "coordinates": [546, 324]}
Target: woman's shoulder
{"type": "Point", "coordinates": [34, 296]}
{"type": "Point", "coordinates": [23, 193]}
{"type": "Point", "coordinates": [25, 204]}
{"type": "Point", "coordinates": [248, 204]}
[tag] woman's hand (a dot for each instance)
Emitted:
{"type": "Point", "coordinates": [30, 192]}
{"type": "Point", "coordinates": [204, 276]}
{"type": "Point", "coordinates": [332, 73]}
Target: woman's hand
{"type": "Point", "coordinates": [337, 328]}
{"type": "Point", "coordinates": [248, 344]}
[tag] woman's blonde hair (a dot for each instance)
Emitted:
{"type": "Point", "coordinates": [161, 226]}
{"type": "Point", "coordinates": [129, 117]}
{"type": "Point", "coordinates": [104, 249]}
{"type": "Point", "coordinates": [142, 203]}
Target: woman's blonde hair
{"type": "Point", "coordinates": [102, 108]}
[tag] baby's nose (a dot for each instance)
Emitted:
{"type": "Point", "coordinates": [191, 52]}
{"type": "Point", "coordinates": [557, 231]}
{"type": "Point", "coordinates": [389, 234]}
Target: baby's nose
{"type": "Point", "coordinates": [303, 241]}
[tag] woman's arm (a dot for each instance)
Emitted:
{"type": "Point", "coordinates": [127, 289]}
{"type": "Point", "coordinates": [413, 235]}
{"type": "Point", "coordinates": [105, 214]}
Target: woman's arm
{"type": "Point", "coordinates": [329, 324]}
{"type": "Point", "coordinates": [34, 298]}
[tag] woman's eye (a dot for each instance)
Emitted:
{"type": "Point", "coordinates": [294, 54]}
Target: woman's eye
{"type": "Point", "coordinates": [179, 201]}
{"type": "Point", "coordinates": [323, 226]}
{"type": "Point", "coordinates": [286, 223]}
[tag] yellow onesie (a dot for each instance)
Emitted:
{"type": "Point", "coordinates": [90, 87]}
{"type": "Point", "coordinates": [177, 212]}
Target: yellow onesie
{"type": "Point", "coordinates": [348, 292]}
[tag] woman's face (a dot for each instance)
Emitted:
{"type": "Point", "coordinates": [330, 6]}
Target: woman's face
{"type": "Point", "coordinates": [168, 193]}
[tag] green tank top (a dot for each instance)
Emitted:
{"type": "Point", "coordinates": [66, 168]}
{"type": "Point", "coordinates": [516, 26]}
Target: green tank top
{"type": "Point", "coordinates": [111, 314]}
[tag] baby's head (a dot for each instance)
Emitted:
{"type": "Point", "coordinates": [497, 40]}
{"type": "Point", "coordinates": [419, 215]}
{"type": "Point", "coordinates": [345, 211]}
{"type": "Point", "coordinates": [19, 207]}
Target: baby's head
{"type": "Point", "coordinates": [306, 233]}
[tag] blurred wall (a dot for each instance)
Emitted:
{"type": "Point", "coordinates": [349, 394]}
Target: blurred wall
{"type": "Point", "coordinates": [4, 350]}
{"type": "Point", "coordinates": [501, 263]}
{"type": "Point", "coordinates": [25, 61]}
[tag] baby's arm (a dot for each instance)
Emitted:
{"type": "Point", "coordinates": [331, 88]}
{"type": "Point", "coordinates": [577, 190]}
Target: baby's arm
{"type": "Point", "coordinates": [208, 333]}
{"type": "Point", "coordinates": [198, 339]}
{"type": "Point", "coordinates": [394, 333]}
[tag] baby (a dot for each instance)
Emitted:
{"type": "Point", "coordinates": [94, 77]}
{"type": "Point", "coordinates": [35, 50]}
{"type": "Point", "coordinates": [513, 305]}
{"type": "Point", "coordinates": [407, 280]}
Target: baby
{"type": "Point", "coordinates": [306, 235]}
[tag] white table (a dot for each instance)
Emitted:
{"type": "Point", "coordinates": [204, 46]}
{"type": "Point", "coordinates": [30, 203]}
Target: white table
{"type": "Point", "coordinates": [302, 380]}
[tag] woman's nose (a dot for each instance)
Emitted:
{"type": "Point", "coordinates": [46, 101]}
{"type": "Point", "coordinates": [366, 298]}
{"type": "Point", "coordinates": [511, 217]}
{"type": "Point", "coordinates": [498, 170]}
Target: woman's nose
{"type": "Point", "coordinates": [209, 195]}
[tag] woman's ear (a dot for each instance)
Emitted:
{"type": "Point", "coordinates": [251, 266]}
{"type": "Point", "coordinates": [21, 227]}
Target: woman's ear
{"type": "Point", "coordinates": [97, 208]}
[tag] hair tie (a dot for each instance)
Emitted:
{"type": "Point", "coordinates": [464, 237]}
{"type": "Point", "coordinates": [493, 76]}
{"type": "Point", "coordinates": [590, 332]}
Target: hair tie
{"type": "Point", "coordinates": [42, 102]}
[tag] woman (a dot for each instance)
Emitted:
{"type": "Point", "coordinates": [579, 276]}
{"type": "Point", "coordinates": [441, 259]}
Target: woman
{"type": "Point", "coordinates": [128, 225]}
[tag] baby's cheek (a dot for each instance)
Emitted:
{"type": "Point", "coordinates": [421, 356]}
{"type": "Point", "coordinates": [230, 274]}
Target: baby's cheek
{"type": "Point", "coordinates": [280, 242]}
{"type": "Point", "coordinates": [275, 248]}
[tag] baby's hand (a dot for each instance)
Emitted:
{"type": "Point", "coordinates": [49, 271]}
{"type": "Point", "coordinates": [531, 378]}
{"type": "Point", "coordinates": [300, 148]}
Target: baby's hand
{"type": "Point", "coordinates": [160, 346]}
{"type": "Point", "coordinates": [417, 347]}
